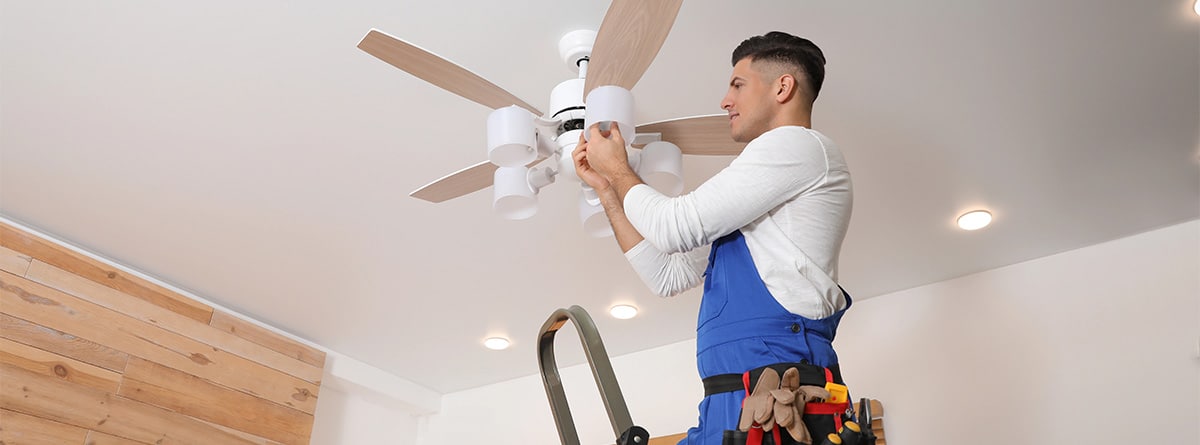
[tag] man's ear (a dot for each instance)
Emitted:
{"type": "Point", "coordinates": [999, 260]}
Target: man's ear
{"type": "Point", "coordinates": [785, 88]}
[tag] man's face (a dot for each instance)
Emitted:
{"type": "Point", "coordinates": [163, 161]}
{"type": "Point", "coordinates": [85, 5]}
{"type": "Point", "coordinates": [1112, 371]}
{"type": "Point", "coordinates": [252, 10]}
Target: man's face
{"type": "Point", "coordinates": [749, 102]}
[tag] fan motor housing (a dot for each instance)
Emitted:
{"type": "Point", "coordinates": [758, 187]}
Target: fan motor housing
{"type": "Point", "coordinates": [566, 100]}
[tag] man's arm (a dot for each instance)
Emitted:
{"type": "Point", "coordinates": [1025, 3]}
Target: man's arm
{"type": "Point", "coordinates": [665, 274]}
{"type": "Point", "coordinates": [610, 199]}
{"type": "Point", "coordinates": [626, 235]}
{"type": "Point", "coordinates": [773, 168]}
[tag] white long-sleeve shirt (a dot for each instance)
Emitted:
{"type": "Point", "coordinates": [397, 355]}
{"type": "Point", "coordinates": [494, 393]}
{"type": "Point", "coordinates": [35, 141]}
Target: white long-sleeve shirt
{"type": "Point", "coordinates": [789, 192]}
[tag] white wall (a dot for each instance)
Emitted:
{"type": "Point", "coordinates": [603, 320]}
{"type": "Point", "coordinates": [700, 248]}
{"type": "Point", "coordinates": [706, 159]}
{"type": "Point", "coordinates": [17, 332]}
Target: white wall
{"type": "Point", "coordinates": [660, 386]}
{"type": "Point", "coordinates": [353, 417]}
{"type": "Point", "coordinates": [1097, 346]}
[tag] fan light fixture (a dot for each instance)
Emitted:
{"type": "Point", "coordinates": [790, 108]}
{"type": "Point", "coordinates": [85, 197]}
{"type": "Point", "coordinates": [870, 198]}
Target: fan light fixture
{"type": "Point", "coordinates": [512, 141]}
{"type": "Point", "coordinates": [497, 343]}
{"type": "Point", "coordinates": [595, 221]}
{"type": "Point", "coordinates": [515, 141]}
{"type": "Point", "coordinates": [514, 191]}
{"type": "Point", "coordinates": [661, 167]}
{"type": "Point", "coordinates": [623, 311]}
{"type": "Point", "coordinates": [975, 220]}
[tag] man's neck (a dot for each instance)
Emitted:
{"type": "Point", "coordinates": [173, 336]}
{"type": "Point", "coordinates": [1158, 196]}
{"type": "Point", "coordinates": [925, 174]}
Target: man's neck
{"type": "Point", "coordinates": [786, 117]}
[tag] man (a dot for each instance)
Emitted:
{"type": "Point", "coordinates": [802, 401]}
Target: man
{"type": "Point", "coordinates": [775, 219]}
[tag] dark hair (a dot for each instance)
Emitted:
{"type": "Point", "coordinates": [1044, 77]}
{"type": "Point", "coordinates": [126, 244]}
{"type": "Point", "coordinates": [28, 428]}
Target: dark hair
{"type": "Point", "coordinates": [788, 49]}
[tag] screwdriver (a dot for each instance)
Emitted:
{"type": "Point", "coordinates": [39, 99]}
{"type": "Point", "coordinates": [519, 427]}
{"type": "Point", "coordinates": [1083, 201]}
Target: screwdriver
{"type": "Point", "coordinates": [851, 433]}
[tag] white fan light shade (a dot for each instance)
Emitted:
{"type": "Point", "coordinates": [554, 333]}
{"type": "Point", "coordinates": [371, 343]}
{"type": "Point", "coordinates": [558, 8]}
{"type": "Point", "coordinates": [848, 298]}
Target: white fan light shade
{"type": "Point", "coordinates": [595, 221]}
{"type": "Point", "coordinates": [511, 138]}
{"type": "Point", "coordinates": [661, 167]}
{"type": "Point", "coordinates": [513, 197]}
{"type": "Point", "coordinates": [611, 104]}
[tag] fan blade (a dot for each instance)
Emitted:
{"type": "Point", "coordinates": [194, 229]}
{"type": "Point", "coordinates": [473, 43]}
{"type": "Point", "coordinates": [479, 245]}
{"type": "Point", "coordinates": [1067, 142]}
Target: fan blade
{"type": "Point", "coordinates": [439, 71]}
{"type": "Point", "coordinates": [628, 40]}
{"type": "Point", "coordinates": [698, 135]}
{"type": "Point", "coordinates": [468, 180]}
{"type": "Point", "coordinates": [471, 179]}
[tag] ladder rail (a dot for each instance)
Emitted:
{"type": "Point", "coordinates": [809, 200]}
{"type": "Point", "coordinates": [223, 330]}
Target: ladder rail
{"type": "Point", "coordinates": [597, 357]}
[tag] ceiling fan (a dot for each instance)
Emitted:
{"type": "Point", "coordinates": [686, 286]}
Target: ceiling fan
{"type": "Point", "coordinates": [520, 137]}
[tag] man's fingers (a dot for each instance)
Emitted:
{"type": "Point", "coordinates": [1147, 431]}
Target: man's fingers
{"type": "Point", "coordinates": [594, 132]}
{"type": "Point", "coordinates": [615, 132]}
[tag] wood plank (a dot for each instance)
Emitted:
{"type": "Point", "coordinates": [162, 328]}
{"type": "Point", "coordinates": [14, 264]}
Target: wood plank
{"type": "Point", "coordinates": [187, 394]}
{"type": "Point", "coordinates": [78, 405]}
{"type": "Point", "coordinates": [61, 343]}
{"type": "Point", "coordinates": [876, 409]}
{"type": "Point", "coordinates": [156, 315]}
{"type": "Point", "coordinates": [53, 365]}
{"type": "Point", "coordinates": [34, 302]}
{"type": "Point", "coordinates": [22, 429]}
{"type": "Point", "coordinates": [667, 440]}
{"type": "Point", "coordinates": [105, 274]}
{"type": "Point", "coordinates": [244, 435]}
{"type": "Point", "coordinates": [98, 438]}
{"type": "Point", "coordinates": [262, 336]}
{"type": "Point", "coordinates": [14, 262]}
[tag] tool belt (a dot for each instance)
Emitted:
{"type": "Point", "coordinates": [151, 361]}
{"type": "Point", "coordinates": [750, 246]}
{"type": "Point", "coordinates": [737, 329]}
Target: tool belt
{"type": "Point", "coordinates": [789, 403]}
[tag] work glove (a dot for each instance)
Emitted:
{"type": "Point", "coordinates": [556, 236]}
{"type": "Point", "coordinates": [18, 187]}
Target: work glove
{"type": "Point", "coordinates": [758, 405]}
{"type": "Point", "coordinates": [789, 404]}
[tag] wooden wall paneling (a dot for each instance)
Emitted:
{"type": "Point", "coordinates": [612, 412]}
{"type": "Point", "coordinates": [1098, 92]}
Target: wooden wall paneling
{"type": "Point", "coordinates": [36, 303]}
{"type": "Point", "coordinates": [98, 438]}
{"type": "Point", "coordinates": [84, 266]}
{"type": "Point", "coordinates": [61, 343]}
{"type": "Point", "coordinates": [156, 315]}
{"type": "Point", "coordinates": [14, 262]}
{"type": "Point", "coordinates": [244, 435]}
{"type": "Point", "coordinates": [667, 440]}
{"type": "Point", "coordinates": [48, 363]}
{"type": "Point", "coordinates": [876, 420]}
{"type": "Point", "coordinates": [51, 398]}
{"type": "Point", "coordinates": [22, 429]}
{"type": "Point", "coordinates": [177, 391]}
{"type": "Point", "coordinates": [262, 336]}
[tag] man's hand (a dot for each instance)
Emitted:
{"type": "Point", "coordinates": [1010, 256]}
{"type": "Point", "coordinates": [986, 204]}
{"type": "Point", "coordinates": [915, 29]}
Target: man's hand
{"type": "Point", "coordinates": [584, 170]}
{"type": "Point", "coordinates": [605, 157]}
{"type": "Point", "coordinates": [606, 152]}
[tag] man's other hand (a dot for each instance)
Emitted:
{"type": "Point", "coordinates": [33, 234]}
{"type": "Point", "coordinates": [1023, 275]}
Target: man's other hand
{"type": "Point", "coordinates": [584, 170]}
{"type": "Point", "coordinates": [606, 152]}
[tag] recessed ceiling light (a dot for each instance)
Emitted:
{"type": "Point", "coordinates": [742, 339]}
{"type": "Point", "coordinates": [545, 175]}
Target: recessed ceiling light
{"type": "Point", "coordinates": [497, 343]}
{"type": "Point", "coordinates": [623, 311]}
{"type": "Point", "coordinates": [1197, 6]}
{"type": "Point", "coordinates": [975, 220]}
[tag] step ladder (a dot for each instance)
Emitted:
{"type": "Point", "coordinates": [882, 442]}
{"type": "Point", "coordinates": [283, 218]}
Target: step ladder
{"type": "Point", "coordinates": [610, 392]}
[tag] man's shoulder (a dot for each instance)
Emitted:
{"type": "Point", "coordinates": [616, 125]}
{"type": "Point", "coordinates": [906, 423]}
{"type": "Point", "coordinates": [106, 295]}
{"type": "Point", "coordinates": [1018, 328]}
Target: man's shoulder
{"type": "Point", "coordinates": [789, 139]}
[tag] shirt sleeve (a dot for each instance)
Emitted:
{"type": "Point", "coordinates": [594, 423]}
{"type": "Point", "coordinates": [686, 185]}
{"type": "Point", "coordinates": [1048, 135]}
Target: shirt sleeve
{"type": "Point", "coordinates": [667, 274]}
{"type": "Point", "coordinates": [773, 169]}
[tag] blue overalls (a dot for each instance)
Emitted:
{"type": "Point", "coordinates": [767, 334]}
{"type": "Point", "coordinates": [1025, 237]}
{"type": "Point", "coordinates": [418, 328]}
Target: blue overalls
{"type": "Point", "coordinates": [742, 327]}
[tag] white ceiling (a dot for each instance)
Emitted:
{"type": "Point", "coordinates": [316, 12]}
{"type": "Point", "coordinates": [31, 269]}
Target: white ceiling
{"type": "Point", "coordinates": [248, 152]}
